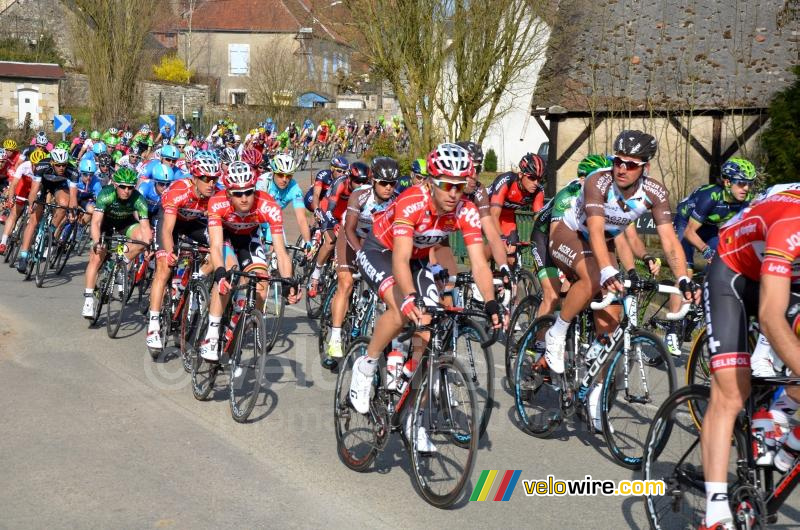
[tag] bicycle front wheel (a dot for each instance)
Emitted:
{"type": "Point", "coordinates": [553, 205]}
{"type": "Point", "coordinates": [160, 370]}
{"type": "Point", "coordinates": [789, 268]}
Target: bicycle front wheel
{"type": "Point", "coordinates": [43, 256]}
{"type": "Point", "coordinates": [521, 319]}
{"type": "Point", "coordinates": [356, 434]}
{"type": "Point", "coordinates": [194, 319]}
{"type": "Point", "coordinates": [633, 389]}
{"type": "Point", "coordinates": [100, 292]}
{"type": "Point", "coordinates": [480, 368]}
{"type": "Point", "coordinates": [274, 306]}
{"type": "Point", "coordinates": [117, 295]}
{"type": "Point", "coordinates": [449, 421]}
{"type": "Point", "coordinates": [324, 329]}
{"type": "Point", "coordinates": [698, 365]}
{"type": "Point", "coordinates": [246, 365]}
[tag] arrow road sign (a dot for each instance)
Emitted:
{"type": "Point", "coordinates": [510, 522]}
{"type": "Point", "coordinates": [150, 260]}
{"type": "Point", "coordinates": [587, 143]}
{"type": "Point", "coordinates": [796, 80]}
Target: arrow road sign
{"type": "Point", "coordinates": [166, 119]}
{"type": "Point", "coordinates": [62, 123]}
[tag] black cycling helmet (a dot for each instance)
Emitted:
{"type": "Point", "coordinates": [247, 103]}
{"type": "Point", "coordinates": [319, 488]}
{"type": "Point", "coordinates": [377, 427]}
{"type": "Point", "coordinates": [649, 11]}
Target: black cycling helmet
{"type": "Point", "coordinates": [474, 150]}
{"type": "Point", "coordinates": [104, 159]}
{"type": "Point", "coordinates": [385, 168]}
{"type": "Point", "coordinates": [359, 173]}
{"type": "Point", "coordinates": [532, 165]}
{"type": "Point", "coordinates": [636, 143]}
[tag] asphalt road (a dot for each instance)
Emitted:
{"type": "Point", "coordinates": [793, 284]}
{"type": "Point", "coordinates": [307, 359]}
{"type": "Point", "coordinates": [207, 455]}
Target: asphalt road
{"type": "Point", "coordinates": [93, 434]}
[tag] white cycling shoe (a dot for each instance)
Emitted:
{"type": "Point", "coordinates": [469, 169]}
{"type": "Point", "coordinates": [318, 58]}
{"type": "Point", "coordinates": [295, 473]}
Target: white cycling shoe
{"type": "Point", "coordinates": [360, 387]}
{"type": "Point", "coordinates": [209, 350]}
{"type": "Point", "coordinates": [673, 344]}
{"type": "Point", "coordinates": [554, 354]}
{"type": "Point", "coordinates": [153, 340]}
{"type": "Point", "coordinates": [424, 444]}
{"type": "Point", "coordinates": [88, 307]}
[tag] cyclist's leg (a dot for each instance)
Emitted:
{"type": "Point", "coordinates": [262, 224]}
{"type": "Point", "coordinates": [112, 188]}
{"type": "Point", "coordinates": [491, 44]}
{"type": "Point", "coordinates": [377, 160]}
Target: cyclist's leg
{"type": "Point", "coordinates": [135, 231]}
{"type": "Point", "coordinates": [33, 221]}
{"type": "Point", "coordinates": [160, 279]}
{"type": "Point", "coordinates": [96, 257]}
{"type": "Point", "coordinates": [547, 273]}
{"type": "Point", "coordinates": [62, 199]}
{"type": "Point", "coordinates": [344, 260]}
{"type": "Point", "coordinates": [323, 255]}
{"type": "Point", "coordinates": [729, 298]}
{"type": "Point", "coordinates": [218, 301]}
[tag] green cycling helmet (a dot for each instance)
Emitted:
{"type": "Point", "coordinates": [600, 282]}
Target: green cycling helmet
{"type": "Point", "coordinates": [420, 167]}
{"type": "Point", "coordinates": [62, 145]}
{"type": "Point", "coordinates": [593, 163]}
{"type": "Point", "coordinates": [738, 169]}
{"type": "Point", "coordinates": [95, 135]}
{"type": "Point", "coordinates": [125, 175]}
{"type": "Point", "coordinates": [112, 141]}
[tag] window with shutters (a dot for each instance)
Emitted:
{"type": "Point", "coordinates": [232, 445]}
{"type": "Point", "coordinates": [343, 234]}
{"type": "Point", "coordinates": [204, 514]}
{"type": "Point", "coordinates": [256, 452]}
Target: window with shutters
{"type": "Point", "coordinates": [239, 59]}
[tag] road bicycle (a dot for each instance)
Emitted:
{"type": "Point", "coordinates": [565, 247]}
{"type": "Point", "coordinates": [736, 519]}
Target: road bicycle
{"type": "Point", "coordinates": [440, 397]}
{"type": "Point", "coordinates": [41, 253]}
{"type": "Point", "coordinates": [15, 238]}
{"type": "Point", "coordinates": [633, 364]}
{"type": "Point", "coordinates": [672, 454]}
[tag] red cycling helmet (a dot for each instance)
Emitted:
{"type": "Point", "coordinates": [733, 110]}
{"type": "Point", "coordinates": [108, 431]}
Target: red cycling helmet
{"type": "Point", "coordinates": [532, 165]}
{"type": "Point", "coordinates": [252, 157]}
{"type": "Point", "coordinates": [450, 160]}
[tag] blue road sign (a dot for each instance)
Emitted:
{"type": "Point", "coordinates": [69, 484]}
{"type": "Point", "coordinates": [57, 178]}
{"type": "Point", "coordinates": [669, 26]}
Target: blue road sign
{"type": "Point", "coordinates": [166, 119]}
{"type": "Point", "coordinates": [62, 123]}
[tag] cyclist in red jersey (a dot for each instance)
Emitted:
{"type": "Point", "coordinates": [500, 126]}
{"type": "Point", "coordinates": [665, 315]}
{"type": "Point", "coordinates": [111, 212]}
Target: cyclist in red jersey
{"type": "Point", "coordinates": [757, 272]}
{"type": "Point", "coordinates": [183, 212]}
{"type": "Point", "coordinates": [514, 191]}
{"type": "Point", "coordinates": [332, 208]}
{"type": "Point", "coordinates": [234, 218]}
{"type": "Point", "coordinates": [394, 258]}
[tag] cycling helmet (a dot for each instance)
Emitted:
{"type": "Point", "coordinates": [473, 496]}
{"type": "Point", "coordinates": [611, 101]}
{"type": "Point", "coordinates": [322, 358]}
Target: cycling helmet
{"type": "Point", "coordinates": [636, 143]}
{"type": "Point", "coordinates": [228, 138]}
{"type": "Point", "coordinates": [188, 127]}
{"type": "Point", "coordinates": [37, 156]}
{"type": "Point", "coordinates": [112, 142]}
{"type": "Point", "coordinates": [145, 128]}
{"type": "Point", "coordinates": [63, 145]}
{"type": "Point", "coordinates": [592, 164]}
{"type": "Point", "coordinates": [59, 156]}
{"type": "Point", "coordinates": [41, 139]}
{"type": "Point", "coordinates": [95, 136]}
{"type": "Point", "coordinates": [532, 165]}
{"type": "Point", "coordinates": [161, 173]}
{"type": "Point", "coordinates": [237, 139]}
{"type": "Point", "coordinates": [228, 155]}
{"type": "Point", "coordinates": [385, 168]}
{"type": "Point", "coordinates": [113, 131]}
{"type": "Point", "coordinates": [240, 176]}
{"type": "Point", "coordinates": [205, 164]}
{"type": "Point", "coordinates": [136, 150]}
{"type": "Point", "coordinates": [87, 165]}
{"type": "Point", "coordinates": [125, 176]}
{"type": "Point", "coordinates": [182, 133]}
{"type": "Point", "coordinates": [104, 159]}
{"type": "Point", "coordinates": [180, 141]}
{"type": "Point", "coordinates": [82, 134]}
{"type": "Point", "coordinates": [99, 147]}
{"type": "Point", "coordinates": [308, 124]}
{"type": "Point", "coordinates": [340, 162]}
{"type": "Point", "coordinates": [474, 150]}
{"type": "Point", "coordinates": [3, 154]}
{"type": "Point", "coordinates": [450, 160]}
{"type": "Point", "coordinates": [10, 145]}
{"type": "Point", "coordinates": [127, 136]}
{"type": "Point", "coordinates": [283, 163]}
{"type": "Point", "coordinates": [739, 169]}
{"type": "Point", "coordinates": [170, 152]}
{"type": "Point", "coordinates": [252, 157]}
{"type": "Point", "coordinates": [359, 173]}
{"type": "Point", "coordinates": [189, 153]}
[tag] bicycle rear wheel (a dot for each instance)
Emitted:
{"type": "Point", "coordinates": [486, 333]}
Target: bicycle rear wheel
{"type": "Point", "coordinates": [194, 319]}
{"type": "Point", "coordinates": [43, 254]}
{"type": "Point", "coordinates": [698, 365]}
{"type": "Point", "coordinates": [165, 320]}
{"type": "Point", "coordinates": [672, 453]}
{"type": "Point", "coordinates": [521, 319]}
{"type": "Point", "coordinates": [64, 253]}
{"type": "Point", "coordinates": [117, 295]}
{"type": "Point", "coordinates": [479, 364]}
{"type": "Point", "coordinates": [537, 399]}
{"type": "Point", "coordinates": [100, 292]}
{"type": "Point", "coordinates": [324, 329]}
{"type": "Point", "coordinates": [451, 423]}
{"type": "Point", "coordinates": [633, 389]}
{"type": "Point", "coordinates": [314, 305]}
{"type": "Point", "coordinates": [204, 374]}
{"type": "Point", "coordinates": [356, 434]}
{"type": "Point", "coordinates": [246, 365]}
{"type": "Point", "coordinates": [274, 306]}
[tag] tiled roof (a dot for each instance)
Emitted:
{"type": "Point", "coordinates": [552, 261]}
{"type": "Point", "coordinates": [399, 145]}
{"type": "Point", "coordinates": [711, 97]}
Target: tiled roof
{"type": "Point", "coordinates": [663, 54]}
{"type": "Point", "coordinates": [31, 70]}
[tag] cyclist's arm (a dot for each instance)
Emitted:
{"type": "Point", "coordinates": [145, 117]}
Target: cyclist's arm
{"type": "Point", "coordinates": [73, 197]}
{"type": "Point", "coordinates": [35, 185]}
{"type": "Point", "coordinates": [401, 268]}
{"type": "Point", "coordinates": [351, 223]}
{"type": "Point", "coordinates": [676, 259]}
{"type": "Point", "coordinates": [94, 230]}
{"type": "Point", "coordinates": [284, 261]}
{"type": "Point", "coordinates": [302, 222]}
{"type": "Point", "coordinates": [624, 251]}
{"type": "Point", "coordinates": [166, 227]}
{"type": "Point", "coordinates": [481, 271]}
{"type": "Point", "coordinates": [690, 234]}
{"type": "Point", "coordinates": [148, 233]}
{"type": "Point", "coordinates": [635, 242]}
{"type": "Point", "coordinates": [215, 242]}
{"type": "Point", "coordinates": [316, 196]}
{"type": "Point", "coordinates": [491, 230]}
{"type": "Point", "coordinates": [772, 306]}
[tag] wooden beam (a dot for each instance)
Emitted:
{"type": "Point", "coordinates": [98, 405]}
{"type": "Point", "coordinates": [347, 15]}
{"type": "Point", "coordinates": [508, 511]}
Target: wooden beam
{"type": "Point", "coordinates": [691, 139]}
{"type": "Point", "coordinates": [748, 133]}
{"type": "Point", "coordinates": [551, 169]}
{"type": "Point", "coordinates": [716, 151]}
{"type": "Point", "coordinates": [543, 126]}
{"type": "Point", "coordinates": [587, 131]}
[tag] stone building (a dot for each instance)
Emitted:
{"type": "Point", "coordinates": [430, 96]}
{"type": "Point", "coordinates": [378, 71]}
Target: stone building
{"type": "Point", "coordinates": [29, 88]}
{"type": "Point", "coordinates": [697, 75]}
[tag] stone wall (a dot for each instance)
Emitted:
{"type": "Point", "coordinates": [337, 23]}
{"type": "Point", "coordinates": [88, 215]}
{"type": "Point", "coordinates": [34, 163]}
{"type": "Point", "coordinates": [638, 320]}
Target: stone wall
{"type": "Point", "coordinates": [75, 93]}
{"type": "Point", "coordinates": [44, 92]}
{"type": "Point", "coordinates": [27, 19]}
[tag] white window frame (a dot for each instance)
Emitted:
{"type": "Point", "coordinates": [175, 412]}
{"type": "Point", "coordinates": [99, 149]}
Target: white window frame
{"type": "Point", "coordinates": [238, 48]}
{"type": "Point", "coordinates": [233, 91]}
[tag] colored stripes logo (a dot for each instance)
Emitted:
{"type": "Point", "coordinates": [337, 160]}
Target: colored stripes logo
{"type": "Point", "coordinates": [504, 489]}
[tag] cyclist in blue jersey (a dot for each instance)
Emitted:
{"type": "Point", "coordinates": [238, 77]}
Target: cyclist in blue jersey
{"type": "Point", "coordinates": [285, 190]}
{"type": "Point", "coordinates": [699, 217]}
{"type": "Point", "coordinates": [419, 172]}
{"type": "Point", "coordinates": [151, 189]}
{"type": "Point", "coordinates": [89, 186]}
{"type": "Point", "coordinates": [322, 182]}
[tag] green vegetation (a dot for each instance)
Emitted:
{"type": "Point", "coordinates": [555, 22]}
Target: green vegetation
{"type": "Point", "coordinates": [490, 161]}
{"type": "Point", "coordinates": [44, 51]}
{"type": "Point", "coordinates": [781, 139]}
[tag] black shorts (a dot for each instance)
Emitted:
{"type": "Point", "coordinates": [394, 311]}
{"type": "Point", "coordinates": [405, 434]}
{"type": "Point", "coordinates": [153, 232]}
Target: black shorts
{"type": "Point", "coordinates": [248, 250]}
{"type": "Point", "coordinates": [49, 186]}
{"type": "Point", "coordinates": [120, 226]}
{"type": "Point", "coordinates": [375, 263]}
{"type": "Point", "coordinates": [541, 256]}
{"type": "Point", "coordinates": [196, 230]}
{"type": "Point", "coordinates": [731, 299]}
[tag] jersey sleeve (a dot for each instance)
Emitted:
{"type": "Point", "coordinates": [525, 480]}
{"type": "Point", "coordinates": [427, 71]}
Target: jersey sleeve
{"type": "Point", "coordinates": [216, 206]}
{"type": "Point", "coordinates": [72, 177]}
{"type": "Point", "coordinates": [595, 189]}
{"type": "Point", "coordinates": [269, 212]}
{"type": "Point", "coordinates": [499, 189]}
{"type": "Point", "coordinates": [538, 200]}
{"type": "Point", "coordinates": [659, 199]}
{"type": "Point", "coordinates": [481, 197]}
{"type": "Point", "coordinates": [408, 211]}
{"type": "Point", "coordinates": [782, 247]}
{"type": "Point", "coordinates": [703, 206]}
{"type": "Point", "coordinates": [105, 198]}
{"type": "Point", "coordinates": [469, 222]}
{"type": "Point", "coordinates": [296, 196]}
{"type": "Point", "coordinates": [141, 207]}
{"type": "Point", "coordinates": [169, 199]}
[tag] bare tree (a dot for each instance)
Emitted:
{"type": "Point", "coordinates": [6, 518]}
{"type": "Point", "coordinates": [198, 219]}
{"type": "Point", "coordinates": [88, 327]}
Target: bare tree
{"type": "Point", "coordinates": [404, 41]}
{"type": "Point", "coordinates": [110, 47]}
{"type": "Point", "coordinates": [277, 73]}
{"type": "Point", "coordinates": [493, 47]}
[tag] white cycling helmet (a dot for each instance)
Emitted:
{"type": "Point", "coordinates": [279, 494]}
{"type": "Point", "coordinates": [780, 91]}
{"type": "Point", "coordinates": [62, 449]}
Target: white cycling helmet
{"type": "Point", "coordinates": [450, 160]}
{"type": "Point", "coordinates": [41, 139]}
{"type": "Point", "coordinates": [189, 152]}
{"type": "Point", "coordinates": [283, 164]}
{"type": "Point", "coordinates": [3, 154]}
{"type": "Point", "coordinates": [59, 156]}
{"type": "Point", "coordinates": [240, 177]}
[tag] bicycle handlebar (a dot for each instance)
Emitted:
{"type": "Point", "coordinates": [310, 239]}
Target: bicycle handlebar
{"type": "Point", "coordinates": [647, 285]}
{"type": "Point", "coordinates": [438, 312]}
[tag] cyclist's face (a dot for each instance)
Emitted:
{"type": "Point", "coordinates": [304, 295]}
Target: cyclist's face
{"type": "Point", "coordinates": [282, 180]}
{"type": "Point", "coordinates": [740, 189]}
{"type": "Point", "coordinates": [242, 200]}
{"type": "Point", "coordinates": [529, 182]}
{"type": "Point", "coordinates": [384, 189]}
{"type": "Point", "coordinates": [627, 170]}
{"type": "Point", "coordinates": [447, 194]}
{"type": "Point", "coordinates": [160, 187]}
{"type": "Point", "coordinates": [205, 187]}
{"type": "Point", "coordinates": [124, 191]}
{"type": "Point", "coordinates": [59, 168]}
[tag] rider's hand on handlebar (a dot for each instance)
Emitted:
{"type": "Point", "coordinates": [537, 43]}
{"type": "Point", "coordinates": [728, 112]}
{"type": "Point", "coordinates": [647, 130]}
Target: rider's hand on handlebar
{"type": "Point", "coordinates": [653, 264]}
{"type": "Point", "coordinates": [691, 291]}
{"type": "Point", "coordinates": [493, 311]}
{"type": "Point", "coordinates": [609, 279]}
{"type": "Point", "coordinates": [412, 307]}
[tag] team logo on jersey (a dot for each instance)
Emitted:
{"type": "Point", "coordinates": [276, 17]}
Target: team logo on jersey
{"type": "Point", "coordinates": [470, 216]}
{"type": "Point", "coordinates": [793, 241]}
{"type": "Point", "coordinates": [745, 230]}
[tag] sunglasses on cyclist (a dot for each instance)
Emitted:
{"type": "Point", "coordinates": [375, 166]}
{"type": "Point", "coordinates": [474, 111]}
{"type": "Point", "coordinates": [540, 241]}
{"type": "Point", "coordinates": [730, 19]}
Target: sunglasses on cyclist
{"type": "Point", "coordinates": [242, 193]}
{"type": "Point", "coordinates": [419, 177]}
{"type": "Point", "coordinates": [170, 160]}
{"type": "Point", "coordinates": [283, 175]}
{"type": "Point", "coordinates": [59, 165]}
{"type": "Point", "coordinates": [743, 183]}
{"type": "Point", "coordinates": [86, 175]}
{"type": "Point", "coordinates": [446, 185]}
{"type": "Point", "coordinates": [390, 183]}
{"type": "Point", "coordinates": [207, 179]}
{"type": "Point", "coordinates": [162, 184]}
{"type": "Point", "coordinates": [125, 187]}
{"type": "Point", "coordinates": [627, 164]}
